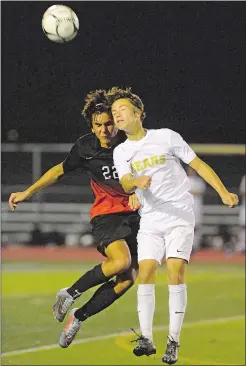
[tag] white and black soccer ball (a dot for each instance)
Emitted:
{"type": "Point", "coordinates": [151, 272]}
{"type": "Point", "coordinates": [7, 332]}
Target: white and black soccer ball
{"type": "Point", "coordinates": [60, 23]}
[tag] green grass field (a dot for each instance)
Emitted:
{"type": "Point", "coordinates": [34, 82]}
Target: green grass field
{"type": "Point", "coordinates": [213, 333]}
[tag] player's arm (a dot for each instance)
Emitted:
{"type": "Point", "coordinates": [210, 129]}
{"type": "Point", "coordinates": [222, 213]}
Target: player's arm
{"type": "Point", "coordinates": [183, 151]}
{"type": "Point", "coordinates": [50, 177]}
{"type": "Point", "coordinates": [209, 175]}
{"type": "Point", "coordinates": [123, 167]}
{"type": "Point", "coordinates": [73, 161]}
{"type": "Point", "coordinates": [129, 183]}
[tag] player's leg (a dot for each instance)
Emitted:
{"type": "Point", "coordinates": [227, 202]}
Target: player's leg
{"type": "Point", "coordinates": [104, 296]}
{"type": "Point", "coordinates": [112, 290]}
{"type": "Point", "coordinates": [108, 231]}
{"type": "Point", "coordinates": [118, 260]}
{"type": "Point", "coordinates": [178, 249]}
{"type": "Point", "coordinates": [150, 254]}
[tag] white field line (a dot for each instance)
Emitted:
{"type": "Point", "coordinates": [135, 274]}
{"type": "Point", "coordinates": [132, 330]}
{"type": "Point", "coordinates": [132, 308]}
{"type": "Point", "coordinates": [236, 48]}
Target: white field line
{"type": "Point", "coordinates": [114, 335]}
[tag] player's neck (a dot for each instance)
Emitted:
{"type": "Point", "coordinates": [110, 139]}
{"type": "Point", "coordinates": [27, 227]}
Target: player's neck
{"type": "Point", "coordinates": [110, 143]}
{"type": "Point", "coordinates": [137, 134]}
{"type": "Point", "coordinates": [105, 145]}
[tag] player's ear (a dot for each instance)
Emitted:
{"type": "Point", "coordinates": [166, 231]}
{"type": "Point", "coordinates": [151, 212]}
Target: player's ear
{"type": "Point", "coordinates": [92, 130]}
{"type": "Point", "coordinates": [138, 113]}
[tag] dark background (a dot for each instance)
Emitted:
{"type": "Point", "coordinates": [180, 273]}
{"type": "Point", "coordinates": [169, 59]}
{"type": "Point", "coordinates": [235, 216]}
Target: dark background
{"type": "Point", "coordinates": [184, 59]}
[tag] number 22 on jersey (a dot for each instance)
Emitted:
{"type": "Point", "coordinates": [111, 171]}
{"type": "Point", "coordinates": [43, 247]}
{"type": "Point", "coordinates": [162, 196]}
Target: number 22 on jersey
{"type": "Point", "coordinates": [109, 173]}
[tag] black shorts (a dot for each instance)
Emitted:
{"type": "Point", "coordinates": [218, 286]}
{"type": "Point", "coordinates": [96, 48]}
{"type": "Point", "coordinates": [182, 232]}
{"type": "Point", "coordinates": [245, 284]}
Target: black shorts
{"type": "Point", "coordinates": [111, 227]}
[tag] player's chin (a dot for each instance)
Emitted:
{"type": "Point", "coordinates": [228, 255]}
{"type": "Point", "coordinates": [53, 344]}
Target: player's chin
{"type": "Point", "coordinates": [120, 126]}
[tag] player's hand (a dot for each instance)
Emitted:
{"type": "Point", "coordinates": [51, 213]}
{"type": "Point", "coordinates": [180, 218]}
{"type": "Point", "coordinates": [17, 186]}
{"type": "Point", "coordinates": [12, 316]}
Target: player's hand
{"type": "Point", "coordinates": [134, 202]}
{"type": "Point", "coordinates": [17, 197]}
{"type": "Point", "coordinates": [230, 199]}
{"type": "Point", "coordinates": [143, 182]}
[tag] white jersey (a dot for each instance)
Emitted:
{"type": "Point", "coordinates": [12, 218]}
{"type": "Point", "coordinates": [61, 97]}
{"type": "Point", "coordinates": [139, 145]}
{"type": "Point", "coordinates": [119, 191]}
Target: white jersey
{"type": "Point", "coordinates": [197, 189]}
{"type": "Point", "coordinates": [157, 154]}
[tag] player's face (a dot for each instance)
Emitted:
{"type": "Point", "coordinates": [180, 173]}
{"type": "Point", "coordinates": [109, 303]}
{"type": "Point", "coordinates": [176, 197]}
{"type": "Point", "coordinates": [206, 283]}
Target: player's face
{"type": "Point", "coordinates": [126, 116]}
{"type": "Point", "coordinates": [104, 128]}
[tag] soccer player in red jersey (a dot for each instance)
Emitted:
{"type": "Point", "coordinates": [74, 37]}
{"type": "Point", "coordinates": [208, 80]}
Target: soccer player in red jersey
{"type": "Point", "coordinates": [114, 223]}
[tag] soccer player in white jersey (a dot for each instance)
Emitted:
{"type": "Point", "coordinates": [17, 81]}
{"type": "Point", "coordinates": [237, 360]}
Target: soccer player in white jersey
{"type": "Point", "coordinates": [148, 162]}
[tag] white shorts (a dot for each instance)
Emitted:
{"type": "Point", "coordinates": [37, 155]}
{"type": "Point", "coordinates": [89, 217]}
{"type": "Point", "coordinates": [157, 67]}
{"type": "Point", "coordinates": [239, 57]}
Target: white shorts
{"type": "Point", "coordinates": [156, 241]}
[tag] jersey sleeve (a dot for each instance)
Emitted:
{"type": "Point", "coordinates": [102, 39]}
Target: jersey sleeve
{"type": "Point", "coordinates": [180, 148]}
{"type": "Point", "coordinates": [121, 165]}
{"type": "Point", "coordinates": [74, 160]}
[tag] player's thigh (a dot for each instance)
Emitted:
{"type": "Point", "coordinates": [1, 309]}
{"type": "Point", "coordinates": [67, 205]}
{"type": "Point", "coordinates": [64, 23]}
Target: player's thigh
{"type": "Point", "coordinates": [151, 251]}
{"type": "Point", "coordinates": [178, 242]}
{"type": "Point", "coordinates": [108, 229]}
{"type": "Point", "coordinates": [150, 247]}
{"type": "Point", "coordinates": [118, 250]}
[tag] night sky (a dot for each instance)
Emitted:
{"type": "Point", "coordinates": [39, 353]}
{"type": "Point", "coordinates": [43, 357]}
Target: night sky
{"type": "Point", "coordinates": [184, 59]}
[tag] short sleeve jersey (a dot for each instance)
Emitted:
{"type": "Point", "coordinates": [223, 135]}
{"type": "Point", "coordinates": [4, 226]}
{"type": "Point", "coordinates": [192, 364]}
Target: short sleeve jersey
{"type": "Point", "coordinates": [87, 155]}
{"type": "Point", "coordinates": [158, 154]}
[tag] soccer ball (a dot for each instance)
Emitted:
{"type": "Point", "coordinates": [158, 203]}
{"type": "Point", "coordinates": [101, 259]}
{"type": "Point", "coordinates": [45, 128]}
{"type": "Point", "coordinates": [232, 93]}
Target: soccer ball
{"type": "Point", "coordinates": [60, 24]}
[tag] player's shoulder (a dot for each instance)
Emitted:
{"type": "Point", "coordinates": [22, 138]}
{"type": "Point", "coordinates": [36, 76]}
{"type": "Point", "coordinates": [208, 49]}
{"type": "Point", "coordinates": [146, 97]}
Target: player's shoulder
{"type": "Point", "coordinates": [87, 139]}
{"type": "Point", "coordinates": [160, 133]}
{"type": "Point", "coordinates": [120, 148]}
{"type": "Point", "coordinates": [168, 134]}
{"type": "Point", "coordinates": [85, 144]}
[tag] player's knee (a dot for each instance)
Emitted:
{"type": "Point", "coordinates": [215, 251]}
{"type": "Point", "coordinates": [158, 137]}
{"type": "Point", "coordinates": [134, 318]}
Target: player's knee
{"type": "Point", "coordinates": [181, 279]}
{"type": "Point", "coordinates": [123, 286]}
{"type": "Point", "coordinates": [175, 271]}
{"type": "Point", "coordinates": [173, 278]}
{"type": "Point", "coordinates": [147, 277]}
{"type": "Point", "coordinates": [147, 271]}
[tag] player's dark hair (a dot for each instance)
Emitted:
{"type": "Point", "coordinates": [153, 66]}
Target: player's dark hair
{"type": "Point", "coordinates": [117, 93]}
{"type": "Point", "coordinates": [96, 102]}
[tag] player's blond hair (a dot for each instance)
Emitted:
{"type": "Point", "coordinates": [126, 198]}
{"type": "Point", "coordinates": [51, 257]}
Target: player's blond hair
{"type": "Point", "coordinates": [96, 102]}
{"type": "Point", "coordinates": [117, 93]}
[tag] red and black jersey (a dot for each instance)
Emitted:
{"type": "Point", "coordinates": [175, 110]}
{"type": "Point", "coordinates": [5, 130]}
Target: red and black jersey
{"type": "Point", "coordinates": [88, 155]}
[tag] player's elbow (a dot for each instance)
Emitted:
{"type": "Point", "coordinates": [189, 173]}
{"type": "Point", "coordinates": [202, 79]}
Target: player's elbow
{"type": "Point", "coordinates": [126, 188]}
{"type": "Point", "coordinates": [126, 185]}
{"type": "Point", "coordinates": [197, 164]}
{"type": "Point", "coordinates": [58, 171]}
